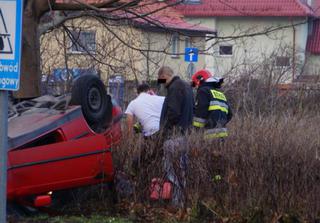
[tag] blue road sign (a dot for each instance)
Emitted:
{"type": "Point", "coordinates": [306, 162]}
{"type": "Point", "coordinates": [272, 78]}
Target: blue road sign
{"type": "Point", "coordinates": [10, 43]}
{"type": "Point", "coordinates": [191, 55]}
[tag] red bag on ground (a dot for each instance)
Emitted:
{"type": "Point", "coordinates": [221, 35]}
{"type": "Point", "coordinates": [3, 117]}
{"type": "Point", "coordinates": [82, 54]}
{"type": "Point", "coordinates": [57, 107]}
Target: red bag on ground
{"type": "Point", "coordinates": [160, 189]}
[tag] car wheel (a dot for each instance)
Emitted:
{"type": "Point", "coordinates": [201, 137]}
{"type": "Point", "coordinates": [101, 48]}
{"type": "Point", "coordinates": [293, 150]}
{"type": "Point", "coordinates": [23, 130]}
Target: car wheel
{"type": "Point", "coordinates": [89, 92]}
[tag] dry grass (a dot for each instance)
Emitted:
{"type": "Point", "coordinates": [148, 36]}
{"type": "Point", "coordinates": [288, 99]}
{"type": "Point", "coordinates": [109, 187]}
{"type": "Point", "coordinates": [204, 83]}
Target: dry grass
{"type": "Point", "coordinates": [266, 163]}
{"type": "Point", "coordinates": [267, 170]}
{"type": "Point", "coordinates": [269, 165]}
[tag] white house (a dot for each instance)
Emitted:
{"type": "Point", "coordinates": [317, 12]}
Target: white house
{"type": "Point", "coordinates": [251, 34]}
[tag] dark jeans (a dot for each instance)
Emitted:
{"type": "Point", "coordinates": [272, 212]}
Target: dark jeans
{"type": "Point", "coordinates": [175, 165]}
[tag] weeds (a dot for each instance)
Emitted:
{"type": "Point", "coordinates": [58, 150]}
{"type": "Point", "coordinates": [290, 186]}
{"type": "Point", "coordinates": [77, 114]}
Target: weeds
{"type": "Point", "coordinates": [267, 169]}
{"type": "Point", "coordinates": [75, 219]}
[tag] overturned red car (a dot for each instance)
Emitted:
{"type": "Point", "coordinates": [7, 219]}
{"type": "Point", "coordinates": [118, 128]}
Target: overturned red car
{"type": "Point", "coordinates": [57, 143]}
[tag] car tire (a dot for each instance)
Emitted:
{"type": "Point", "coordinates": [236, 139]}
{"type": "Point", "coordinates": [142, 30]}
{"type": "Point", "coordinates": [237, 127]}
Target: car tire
{"type": "Point", "coordinates": [89, 92]}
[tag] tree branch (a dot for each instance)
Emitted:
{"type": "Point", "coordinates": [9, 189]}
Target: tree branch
{"type": "Point", "coordinates": [83, 6]}
{"type": "Point", "coordinates": [57, 21]}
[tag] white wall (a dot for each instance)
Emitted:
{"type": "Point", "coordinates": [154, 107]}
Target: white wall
{"type": "Point", "coordinates": [301, 43]}
{"type": "Point", "coordinates": [251, 49]}
{"type": "Point", "coordinates": [313, 64]}
{"type": "Point", "coordinates": [161, 41]}
{"type": "Point", "coordinates": [211, 24]}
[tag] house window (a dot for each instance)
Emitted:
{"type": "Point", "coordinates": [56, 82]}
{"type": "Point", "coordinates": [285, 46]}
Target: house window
{"type": "Point", "coordinates": [225, 50]}
{"type": "Point", "coordinates": [83, 42]}
{"type": "Point", "coordinates": [175, 45]}
{"type": "Point", "coordinates": [188, 42]}
{"type": "Point", "coordinates": [192, 1]}
{"type": "Point", "coordinates": [282, 61]}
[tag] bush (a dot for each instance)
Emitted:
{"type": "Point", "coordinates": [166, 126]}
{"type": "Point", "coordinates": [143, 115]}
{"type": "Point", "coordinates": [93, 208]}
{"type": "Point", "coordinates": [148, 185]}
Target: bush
{"type": "Point", "coordinates": [254, 96]}
{"type": "Point", "coordinates": [268, 167]}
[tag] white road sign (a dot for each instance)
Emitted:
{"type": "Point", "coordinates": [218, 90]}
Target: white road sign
{"type": "Point", "coordinates": [10, 43]}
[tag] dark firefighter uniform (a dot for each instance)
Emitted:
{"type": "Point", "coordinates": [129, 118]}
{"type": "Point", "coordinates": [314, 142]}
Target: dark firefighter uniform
{"type": "Point", "coordinates": [212, 111]}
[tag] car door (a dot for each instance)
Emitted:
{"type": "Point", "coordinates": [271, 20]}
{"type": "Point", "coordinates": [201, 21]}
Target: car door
{"type": "Point", "coordinates": [59, 166]}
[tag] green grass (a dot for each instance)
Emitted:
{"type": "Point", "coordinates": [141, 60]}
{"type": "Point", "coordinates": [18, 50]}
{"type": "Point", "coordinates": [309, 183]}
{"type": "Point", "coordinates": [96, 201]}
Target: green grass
{"type": "Point", "coordinates": [75, 219]}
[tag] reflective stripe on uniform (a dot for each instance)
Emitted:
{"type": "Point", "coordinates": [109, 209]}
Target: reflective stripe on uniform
{"type": "Point", "coordinates": [216, 130]}
{"type": "Point", "coordinates": [217, 107]}
{"type": "Point", "coordinates": [216, 133]}
{"type": "Point", "coordinates": [218, 95]}
{"type": "Point", "coordinates": [198, 122]}
{"type": "Point", "coordinates": [220, 105]}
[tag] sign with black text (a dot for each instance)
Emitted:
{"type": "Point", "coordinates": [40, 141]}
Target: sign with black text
{"type": "Point", "coordinates": [10, 43]}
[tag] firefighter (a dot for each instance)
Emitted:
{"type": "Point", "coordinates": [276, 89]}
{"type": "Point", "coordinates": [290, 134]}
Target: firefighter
{"type": "Point", "coordinates": [212, 111]}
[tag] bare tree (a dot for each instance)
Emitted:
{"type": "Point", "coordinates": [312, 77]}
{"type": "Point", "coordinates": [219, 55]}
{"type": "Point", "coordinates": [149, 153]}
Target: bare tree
{"type": "Point", "coordinates": [30, 64]}
{"type": "Point", "coordinates": [35, 9]}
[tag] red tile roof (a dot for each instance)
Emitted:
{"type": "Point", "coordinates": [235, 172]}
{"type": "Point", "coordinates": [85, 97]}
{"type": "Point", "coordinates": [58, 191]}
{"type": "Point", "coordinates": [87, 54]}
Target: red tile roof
{"type": "Point", "coordinates": [173, 25]}
{"type": "Point", "coordinates": [161, 16]}
{"type": "Point", "coordinates": [313, 43]}
{"type": "Point", "coordinates": [86, 1]}
{"type": "Point", "coordinates": [212, 8]}
{"type": "Point", "coordinates": [157, 13]}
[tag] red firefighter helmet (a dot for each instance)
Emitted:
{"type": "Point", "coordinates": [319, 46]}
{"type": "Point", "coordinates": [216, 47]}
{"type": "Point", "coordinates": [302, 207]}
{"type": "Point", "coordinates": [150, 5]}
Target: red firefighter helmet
{"type": "Point", "coordinates": [199, 77]}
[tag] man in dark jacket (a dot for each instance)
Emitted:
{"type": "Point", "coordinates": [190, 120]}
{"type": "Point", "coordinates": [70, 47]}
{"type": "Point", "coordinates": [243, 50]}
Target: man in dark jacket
{"type": "Point", "coordinates": [177, 111]}
{"type": "Point", "coordinates": [177, 114]}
